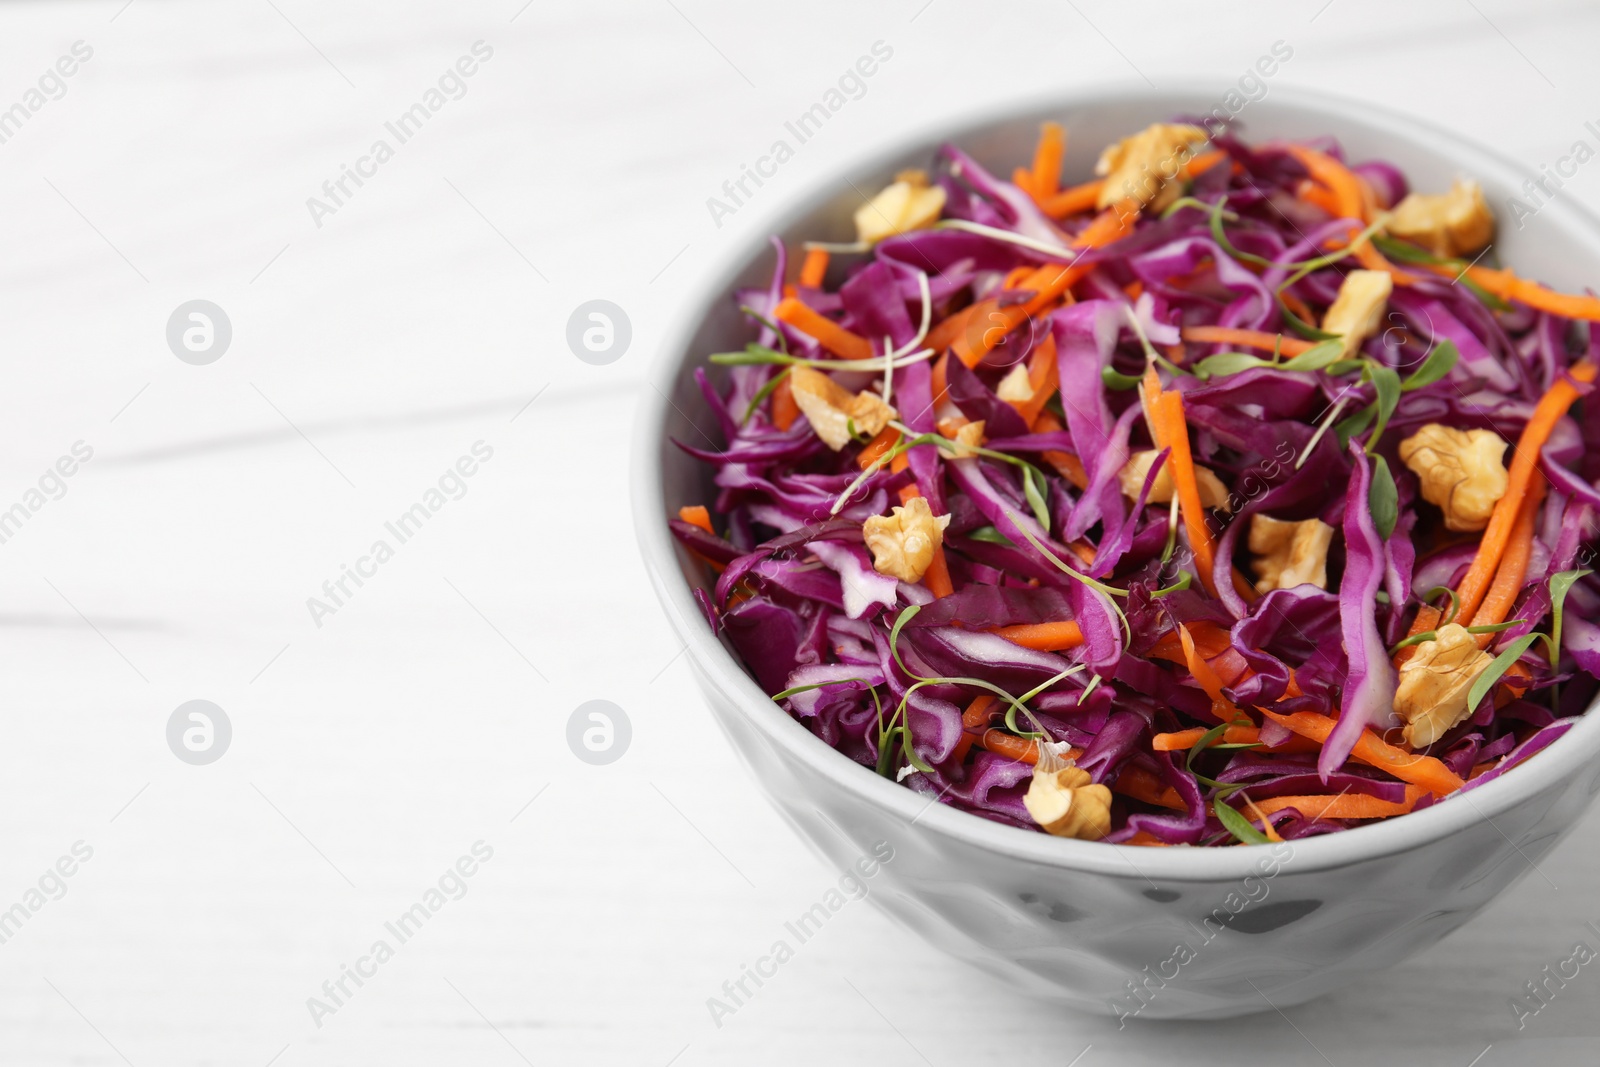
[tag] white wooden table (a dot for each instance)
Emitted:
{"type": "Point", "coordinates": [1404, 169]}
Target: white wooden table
{"type": "Point", "coordinates": [428, 711]}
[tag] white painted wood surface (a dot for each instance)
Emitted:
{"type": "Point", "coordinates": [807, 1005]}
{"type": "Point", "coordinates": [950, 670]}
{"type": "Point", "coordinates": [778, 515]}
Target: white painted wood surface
{"type": "Point", "coordinates": [370, 353]}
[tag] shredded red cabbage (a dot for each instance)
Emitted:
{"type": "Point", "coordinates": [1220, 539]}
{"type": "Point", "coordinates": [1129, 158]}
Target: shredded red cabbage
{"type": "Point", "coordinates": [1062, 600]}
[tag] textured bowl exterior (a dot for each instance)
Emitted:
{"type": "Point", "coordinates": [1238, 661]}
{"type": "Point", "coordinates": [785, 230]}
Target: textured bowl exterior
{"type": "Point", "coordinates": [1151, 933]}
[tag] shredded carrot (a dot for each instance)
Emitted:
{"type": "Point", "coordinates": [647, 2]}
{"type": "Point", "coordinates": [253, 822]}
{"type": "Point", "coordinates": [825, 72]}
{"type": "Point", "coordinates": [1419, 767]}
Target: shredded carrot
{"type": "Point", "coordinates": [815, 267]}
{"type": "Point", "coordinates": [1222, 335]}
{"type": "Point", "coordinates": [1043, 636]}
{"type": "Point", "coordinates": [1267, 828]}
{"type": "Point", "coordinates": [938, 380]}
{"type": "Point", "coordinates": [1312, 193]}
{"type": "Point", "coordinates": [1140, 784]}
{"type": "Point", "coordinates": [1183, 740]}
{"type": "Point", "coordinates": [1339, 180]}
{"type": "Point", "coordinates": [1017, 748]}
{"type": "Point", "coordinates": [1298, 306]}
{"type": "Point", "coordinates": [1134, 289]}
{"type": "Point", "coordinates": [1513, 570]}
{"type": "Point", "coordinates": [952, 327]}
{"type": "Point", "coordinates": [1046, 177]}
{"type": "Point", "coordinates": [975, 717]}
{"type": "Point", "coordinates": [1053, 281]}
{"type": "Point", "coordinates": [1014, 277]}
{"type": "Point", "coordinates": [1042, 379]}
{"type": "Point", "coordinates": [1203, 162]}
{"type": "Point", "coordinates": [1343, 805]}
{"type": "Point", "coordinates": [835, 338]}
{"type": "Point", "coordinates": [1371, 749]}
{"type": "Point", "coordinates": [876, 448]}
{"type": "Point", "coordinates": [1507, 286]}
{"type": "Point", "coordinates": [784, 408]}
{"type": "Point", "coordinates": [1551, 407]}
{"type": "Point", "coordinates": [1022, 178]}
{"type": "Point", "coordinates": [1175, 434]}
{"type": "Point", "coordinates": [1072, 201]}
{"type": "Point", "coordinates": [1147, 839]}
{"type": "Point", "coordinates": [1203, 672]}
{"type": "Point", "coordinates": [1066, 464]}
{"type": "Point", "coordinates": [697, 515]}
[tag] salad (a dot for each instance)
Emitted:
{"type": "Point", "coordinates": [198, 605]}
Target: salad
{"type": "Point", "coordinates": [1232, 494]}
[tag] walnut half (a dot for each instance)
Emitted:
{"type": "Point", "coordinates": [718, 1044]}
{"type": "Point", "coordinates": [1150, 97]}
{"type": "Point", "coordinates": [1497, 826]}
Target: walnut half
{"type": "Point", "coordinates": [902, 542]}
{"type": "Point", "coordinates": [1213, 494]}
{"type": "Point", "coordinates": [1066, 805]}
{"type": "Point", "coordinates": [1463, 472]}
{"type": "Point", "coordinates": [1432, 694]}
{"type": "Point", "coordinates": [1148, 166]}
{"type": "Point", "coordinates": [1289, 553]}
{"type": "Point", "coordinates": [832, 409]}
{"type": "Point", "coordinates": [1457, 223]}
{"type": "Point", "coordinates": [1357, 312]}
{"type": "Point", "coordinates": [908, 203]}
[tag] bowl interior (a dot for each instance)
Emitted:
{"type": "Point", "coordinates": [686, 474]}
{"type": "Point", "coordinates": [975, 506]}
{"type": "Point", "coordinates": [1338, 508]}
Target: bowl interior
{"type": "Point", "coordinates": [1559, 245]}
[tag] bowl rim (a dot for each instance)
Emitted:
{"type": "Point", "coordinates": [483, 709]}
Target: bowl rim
{"type": "Point", "coordinates": [719, 668]}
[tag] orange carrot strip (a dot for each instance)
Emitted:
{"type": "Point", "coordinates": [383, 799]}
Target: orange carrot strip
{"type": "Point", "coordinates": [1183, 740]}
{"type": "Point", "coordinates": [1175, 431]}
{"type": "Point", "coordinates": [1371, 749]}
{"type": "Point", "coordinates": [1014, 277]}
{"type": "Point", "coordinates": [1022, 178]}
{"type": "Point", "coordinates": [697, 515]}
{"type": "Point", "coordinates": [784, 408]}
{"type": "Point", "coordinates": [946, 332]}
{"type": "Point", "coordinates": [1140, 784]}
{"type": "Point", "coordinates": [1342, 806]}
{"type": "Point", "coordinates": [938, 380]}
{"type": "Point", "coordinates": [1551, 407]}
{"type": "Point", "coordinates": [815, 267]}
{"type": "Point", "coordinates": [1298, 306]}
{"type": "Point", "coordinates": [1147, 839]}
{"type": "Point", "coordinates": [1043, 636]}
{"type": "Point", "coordinates": [1073, 200]}
{"type": "Point", "coordinates": [1066, 464]}
{"type": "Point", "coordinates": [1369, 257]}
{"type": "Point", "coordinates": [1507, 286]}
{"type": "Point", "coordinates": [1312, 193]}
{"type": "Point", "coordinates": [1222, 335]}
{"type": "Point", "coordinates": [1050, 283]}
{"type": "Point", "coordinates": [1202, 671]}
{"type": "Point", "coordinates": [835, 338]}
{"type": "Point", "coordinates": [1267, 828]}
{"type": "Point", "coordinates": [1017, 748]}
{"type": "Point", "coordinates": [1042, 379]}
{"type": "Point", "coordinates": [1046, 177]}
{"type": "Point", "coordinates": [1513, 570]}
{"type": "Point", "coordinates": [1339, 179]}
{"type": "Point", "coordinates": [1203, 162]}
{"type": "Point", "coordinates": [975, 717]}
{"type": "Point", "coordinates": [876, 448]}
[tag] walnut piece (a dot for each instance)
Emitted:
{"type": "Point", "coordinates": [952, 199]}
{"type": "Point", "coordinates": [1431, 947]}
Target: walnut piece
{"type": "Point", "coordinates": [1146, 167]}
{"type": "Point", "coordinates": [1289, 553]}
{"type": "Point", "coordinates": [1463, 472]}
{"type": "Point", "coordinates": [1015, 387]}
{"type": "Point", "coordinates": [908, 203]}
{"type": "Point", "coordinates": [832, 409]}
{"type": "Point", "coordinates": [1066, 805]}
{"type": "Point", "coordinates": [903, 541]}
{"type": "Point", "coordinates": [1432, 695]}
{"type": "Point", "coordinates": [966, 436]}
{"type": "Point", "coordinates": [1357, 312]}
{"type": "Point", "coordinates": [1457, 223]}
{"type": "Point", "coordinates": [1213, 494]}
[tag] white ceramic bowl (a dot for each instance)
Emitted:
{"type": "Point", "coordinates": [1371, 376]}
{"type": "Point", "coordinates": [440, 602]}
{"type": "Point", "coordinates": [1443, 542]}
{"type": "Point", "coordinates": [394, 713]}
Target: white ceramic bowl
{"type": "Point", "coordinates": [1158, 933]}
